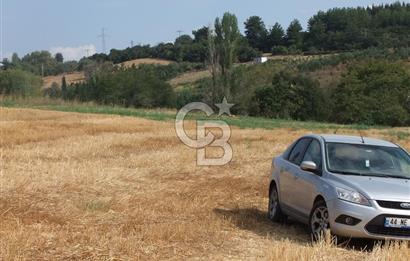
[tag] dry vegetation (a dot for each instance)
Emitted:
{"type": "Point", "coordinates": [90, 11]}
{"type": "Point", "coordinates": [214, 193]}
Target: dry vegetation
{"type": "Point", "coordinates": [79, 186]}
{"type": "Point", "coordinates": [78, 77]}
{"type": "Point", "coordinates": [138, 62]}
{"type": "Point", "coordinates": [71, 78]}
{"type": "Point", "coordinates": [189, 77]}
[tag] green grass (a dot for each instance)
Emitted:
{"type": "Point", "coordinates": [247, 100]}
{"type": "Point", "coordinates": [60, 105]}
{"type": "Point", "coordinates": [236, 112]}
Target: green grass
{"type": "Point", "coordinates": [169, 115]}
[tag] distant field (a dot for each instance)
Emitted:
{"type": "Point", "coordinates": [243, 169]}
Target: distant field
{"type": "Point", "coordinates": [103, 187]}
{"type": "Point", "coordinates": [78, 77]}
{"type": "Point", "coordinates": [71, 78]}
{"type": "Point", "coordinates": [138, 62]}
{"type": "Point", "coordinates": [189, 77]}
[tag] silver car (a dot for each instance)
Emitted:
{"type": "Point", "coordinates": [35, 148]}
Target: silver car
{"type": "Point", "coordinates": [353, 186]}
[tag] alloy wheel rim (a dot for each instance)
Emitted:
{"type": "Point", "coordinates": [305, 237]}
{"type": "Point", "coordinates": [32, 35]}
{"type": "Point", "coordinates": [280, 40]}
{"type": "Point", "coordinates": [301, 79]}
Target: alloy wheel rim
{"type": "Point", "coordinates": [320, 222]}
{"type": "Point", "coordinates": [273, 203]}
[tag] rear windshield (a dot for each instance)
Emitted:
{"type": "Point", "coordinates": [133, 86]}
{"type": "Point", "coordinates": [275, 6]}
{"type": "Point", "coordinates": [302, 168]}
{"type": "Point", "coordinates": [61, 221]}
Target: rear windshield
{"type": "Point", "coordinates": [361, 159]}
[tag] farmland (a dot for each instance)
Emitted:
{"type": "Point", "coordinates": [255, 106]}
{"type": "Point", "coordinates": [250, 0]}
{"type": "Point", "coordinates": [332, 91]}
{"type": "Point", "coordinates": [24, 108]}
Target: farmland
{"type": "Point", "coordinates": [78, 77]}
{"type": "Point", "coordinates": [90, 186]}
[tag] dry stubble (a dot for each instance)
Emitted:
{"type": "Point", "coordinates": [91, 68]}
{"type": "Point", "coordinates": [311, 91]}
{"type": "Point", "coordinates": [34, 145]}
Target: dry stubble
{"type": "Point", "coordinates": [77, 186]}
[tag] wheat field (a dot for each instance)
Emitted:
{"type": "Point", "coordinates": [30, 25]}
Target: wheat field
{"type": "Point", "coordinates": [95, 187]}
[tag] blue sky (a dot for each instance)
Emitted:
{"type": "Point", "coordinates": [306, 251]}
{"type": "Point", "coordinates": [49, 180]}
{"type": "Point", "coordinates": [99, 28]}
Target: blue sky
{"type": "Point", "coordinates": [72, 26]}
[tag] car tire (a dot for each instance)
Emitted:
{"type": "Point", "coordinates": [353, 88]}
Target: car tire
{"type": "Point", "coordinates": [275, 213]}
{"type": "Point", "coordinates": [319, 225]}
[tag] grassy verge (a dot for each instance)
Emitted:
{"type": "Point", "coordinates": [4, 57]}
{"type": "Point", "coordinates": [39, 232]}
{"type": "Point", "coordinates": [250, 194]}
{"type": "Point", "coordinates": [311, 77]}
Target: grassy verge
{"type": "Point", "coordinates": [169, 115]}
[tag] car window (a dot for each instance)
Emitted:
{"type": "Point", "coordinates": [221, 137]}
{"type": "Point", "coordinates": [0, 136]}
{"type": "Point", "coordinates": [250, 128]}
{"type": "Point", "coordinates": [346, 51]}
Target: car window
{"type": "Point", "coordinates": [298, 151]}
{"type": "Point", "coordinates": [313, 153]}
{"type": "Point", "coordinates": [368, 160]}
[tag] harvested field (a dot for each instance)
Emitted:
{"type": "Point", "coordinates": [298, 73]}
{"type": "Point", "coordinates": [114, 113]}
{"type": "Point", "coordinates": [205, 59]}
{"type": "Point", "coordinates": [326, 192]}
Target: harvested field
{"type": "Point", "coordinates": [80, 186]}
{"type": "Point", "coordinates": [138, 62]}
{"type": "Point", "coordinates": [71, 78]}
{"type": "Point", "coordinates": [189, 77]}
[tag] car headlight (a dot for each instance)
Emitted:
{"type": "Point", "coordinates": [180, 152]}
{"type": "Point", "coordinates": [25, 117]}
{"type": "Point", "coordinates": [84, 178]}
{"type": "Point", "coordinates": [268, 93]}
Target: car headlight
{"type": "Point", "coordinates": [352, 196]}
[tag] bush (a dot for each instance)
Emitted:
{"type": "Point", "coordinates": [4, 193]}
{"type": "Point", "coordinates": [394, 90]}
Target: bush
{"type": "Point", "coordinates": [19, 83]}
{"type": "Point", "coordinates": [187, 95]}
{"type": "Point", "coordinates": [279, 50]}
{"type": "Point", "coordinates": [373, 92]}
{"type": "Point", "coordinates": [134, 87]}
{"type": "Point", "coordinates": [53, 92]}
{"type": "Point", "coordinates": [289, 97]}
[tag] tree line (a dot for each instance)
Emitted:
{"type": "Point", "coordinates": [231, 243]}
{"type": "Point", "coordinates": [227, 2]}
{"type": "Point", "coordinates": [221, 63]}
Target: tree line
{"type": "Point", "coordinates": [41, 63]}
{"type": "Point", "coordinates": [338, 29]}
{"type": "Point", "coordinates": [335, 30]}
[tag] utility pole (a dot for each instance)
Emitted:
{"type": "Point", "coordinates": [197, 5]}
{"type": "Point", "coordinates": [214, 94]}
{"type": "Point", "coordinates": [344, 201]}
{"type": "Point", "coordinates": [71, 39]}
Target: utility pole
{"type": "Point", "coordinates": [103, 35]}
{"type": "Point", "coordinates": [179, 32]}
{"type": "Point", "coordinates": [132, 44]}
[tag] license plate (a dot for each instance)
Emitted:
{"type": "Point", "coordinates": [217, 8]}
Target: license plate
{"type": "Point", "coordinates": [397, 222]}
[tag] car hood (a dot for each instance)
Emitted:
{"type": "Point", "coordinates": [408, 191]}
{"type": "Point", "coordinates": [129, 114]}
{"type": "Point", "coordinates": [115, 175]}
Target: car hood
{"type": "Point", "coordinates": [376, 188]}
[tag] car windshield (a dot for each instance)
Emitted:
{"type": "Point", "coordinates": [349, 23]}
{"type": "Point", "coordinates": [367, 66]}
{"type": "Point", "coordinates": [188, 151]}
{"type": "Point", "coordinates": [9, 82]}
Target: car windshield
{"type": "Point", "coordinates": [367, 160]}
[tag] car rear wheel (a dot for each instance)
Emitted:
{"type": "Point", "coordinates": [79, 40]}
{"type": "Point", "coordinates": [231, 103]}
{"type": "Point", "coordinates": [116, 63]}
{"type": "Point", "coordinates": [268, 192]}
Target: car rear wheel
{"type": "Point", "coordinates": [274, 211]}
{"type": "Point", "coordinates": [319, 221]}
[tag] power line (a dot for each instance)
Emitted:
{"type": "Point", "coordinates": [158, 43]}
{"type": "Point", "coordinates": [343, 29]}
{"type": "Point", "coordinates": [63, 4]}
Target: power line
{"type": "Point", "coordinates": [103, 37]}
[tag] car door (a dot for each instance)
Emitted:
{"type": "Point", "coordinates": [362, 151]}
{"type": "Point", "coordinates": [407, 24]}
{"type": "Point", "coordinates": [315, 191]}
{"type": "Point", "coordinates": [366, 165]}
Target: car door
{"type": "Point", "coordinates": [306, 181]}
{"type": "Point", "coordinates": [289, 172]}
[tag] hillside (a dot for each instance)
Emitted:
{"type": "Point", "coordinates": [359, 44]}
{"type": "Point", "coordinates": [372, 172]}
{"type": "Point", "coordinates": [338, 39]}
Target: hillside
{"type": "Point", "coordinates": [77, 77]}
{"type": "Point", "coordinates": [137, 62]}
{"type": "Point", "coordinates": [71, 78]}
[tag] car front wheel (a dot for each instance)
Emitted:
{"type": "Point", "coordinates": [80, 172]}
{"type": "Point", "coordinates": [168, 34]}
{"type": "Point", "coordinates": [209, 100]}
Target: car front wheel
{"type": "Point", "coordinates": [274, 211]}
{"type": "Point", "coordinates": [319, 221]}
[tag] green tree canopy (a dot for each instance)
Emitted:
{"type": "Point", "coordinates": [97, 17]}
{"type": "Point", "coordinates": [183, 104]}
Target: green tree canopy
{"type": "Point", "coordinates": [256, 33]}
{"type": "Point", "coordinates": [226, 39]}
{"type": "Point", "coordinates": [59, 57]}
{"type": "Point", "coordinates": [201, 34]}
{"type": "Point", "coordinates": [294, 35]}
{"type": "Point", "coordinates": [374, 92]}
{"type": "Point", "coordinates": [276, 35]}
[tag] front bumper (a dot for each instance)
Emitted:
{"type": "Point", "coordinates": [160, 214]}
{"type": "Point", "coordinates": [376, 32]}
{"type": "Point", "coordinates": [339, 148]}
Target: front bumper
{"type": "Point", "coordinates": [372, 220]}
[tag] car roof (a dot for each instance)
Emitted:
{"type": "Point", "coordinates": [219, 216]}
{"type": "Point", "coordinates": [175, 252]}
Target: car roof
{"type": "Point", "coordinates": [355, 140]}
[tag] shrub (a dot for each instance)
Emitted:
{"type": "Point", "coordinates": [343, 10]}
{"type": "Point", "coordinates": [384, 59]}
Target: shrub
{"type": "Point", "coordinates": [19, 83]}
{"type": "Point", "coordinates": [373, 92]}
{"type": "Point", "coordinates": [289, 97]}
{"type": "Point", "coordinates": [279, 50]}
{"type": "Point", "coordinates": [136, 87]}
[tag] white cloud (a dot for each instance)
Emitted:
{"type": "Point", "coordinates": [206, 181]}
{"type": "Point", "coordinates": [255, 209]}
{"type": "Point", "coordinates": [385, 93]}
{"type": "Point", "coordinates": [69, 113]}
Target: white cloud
{"type": "Point", "coordinates": [74, 53]}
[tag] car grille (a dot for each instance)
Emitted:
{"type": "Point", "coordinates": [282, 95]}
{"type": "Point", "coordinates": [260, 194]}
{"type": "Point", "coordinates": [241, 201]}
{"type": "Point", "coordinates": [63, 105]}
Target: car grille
{"type": "Point", "coordinates": [391, 204]}
{"type": "Point", "coordinates": [376, 226]}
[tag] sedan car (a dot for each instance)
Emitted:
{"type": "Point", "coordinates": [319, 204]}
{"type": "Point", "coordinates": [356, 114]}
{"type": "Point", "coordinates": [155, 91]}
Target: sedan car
{"type": "Point", "coordinates": [355, 187]}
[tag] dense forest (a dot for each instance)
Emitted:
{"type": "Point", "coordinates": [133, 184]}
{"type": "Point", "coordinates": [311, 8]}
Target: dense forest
{"type": "Point", "coordinates": [360, 73]}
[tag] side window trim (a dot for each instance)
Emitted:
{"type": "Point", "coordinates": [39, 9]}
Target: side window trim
{"type": "Point", "coordinates": [321, 151]}
{"type": "Point", "coordinates": [303, 152]}
{"type": "Point", "coordinates": [291, 150]}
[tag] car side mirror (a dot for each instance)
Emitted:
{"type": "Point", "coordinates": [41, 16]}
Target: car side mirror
{"type": "Point", "coordinates": [308, 166]}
